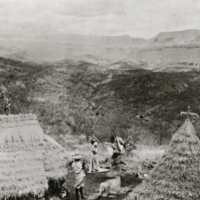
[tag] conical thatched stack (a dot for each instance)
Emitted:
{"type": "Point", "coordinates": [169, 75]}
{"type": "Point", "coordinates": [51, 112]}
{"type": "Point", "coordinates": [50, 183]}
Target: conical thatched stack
{"type": "Point", "coordinates": [24, 160]}
{"type": "Point", "coordinates": [177, 176]}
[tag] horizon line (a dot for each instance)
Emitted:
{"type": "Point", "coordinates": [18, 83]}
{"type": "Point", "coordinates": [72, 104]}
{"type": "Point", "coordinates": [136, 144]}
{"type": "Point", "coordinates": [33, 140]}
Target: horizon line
{"type": "Point", "coordinates": [108, 35]}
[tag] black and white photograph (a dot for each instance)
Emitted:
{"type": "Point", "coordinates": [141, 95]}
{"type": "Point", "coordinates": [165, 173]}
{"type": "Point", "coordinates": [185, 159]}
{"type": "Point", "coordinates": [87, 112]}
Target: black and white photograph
{"type": "Point", "coordinates": [99, 99]}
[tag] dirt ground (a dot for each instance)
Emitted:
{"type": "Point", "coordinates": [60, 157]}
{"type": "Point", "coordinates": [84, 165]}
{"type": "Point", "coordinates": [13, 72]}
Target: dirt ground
{"type": "Point", "coordinates": [92, 182]}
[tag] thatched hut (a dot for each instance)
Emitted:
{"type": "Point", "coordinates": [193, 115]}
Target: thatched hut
{"type": "Point", "coordinates": [55, 158]}
{"type": "Point", "coordinates": [177, 176]}
{"type": "Point", "coordinates": [27, 156]}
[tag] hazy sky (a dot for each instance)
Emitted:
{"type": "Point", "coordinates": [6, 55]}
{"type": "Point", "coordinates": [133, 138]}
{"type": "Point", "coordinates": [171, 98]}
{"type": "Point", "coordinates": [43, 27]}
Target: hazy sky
{"type": "Point", "coordinates": [138, 18]}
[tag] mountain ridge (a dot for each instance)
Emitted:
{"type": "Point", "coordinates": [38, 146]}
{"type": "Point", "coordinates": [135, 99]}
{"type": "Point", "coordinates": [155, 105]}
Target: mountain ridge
{"type": "Point", "coordinates": [179, 37]}
{"type": "Point", "coordinates": [56, 47]}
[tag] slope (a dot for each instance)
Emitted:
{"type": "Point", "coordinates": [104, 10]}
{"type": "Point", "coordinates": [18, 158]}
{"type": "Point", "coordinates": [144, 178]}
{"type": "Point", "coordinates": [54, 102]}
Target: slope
{"type": "Point", "coordinates": [69, 97]}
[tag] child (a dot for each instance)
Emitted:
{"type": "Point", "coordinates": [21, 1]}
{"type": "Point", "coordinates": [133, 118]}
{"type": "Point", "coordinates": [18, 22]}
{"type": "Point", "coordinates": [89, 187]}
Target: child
{"type": "Point", "coordinates": [78, 169]}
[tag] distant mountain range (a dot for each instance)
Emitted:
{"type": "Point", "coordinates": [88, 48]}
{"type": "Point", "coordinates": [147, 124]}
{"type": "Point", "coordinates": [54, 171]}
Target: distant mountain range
{"type": "Point", "coordinates": [105, 41]}
{"type": "Point", "coordinates": [57, 47]}
{"type": "Point", "coordinates": [174, 38]}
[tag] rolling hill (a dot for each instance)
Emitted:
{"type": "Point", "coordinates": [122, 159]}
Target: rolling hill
{"type": "Point", "coordinates": [196, 40]}
{"type": "Point", "coordinates": [170, 54]}
{"type": "Point", "coordinates": [170, 47]}
{"type": "Point", "coordinates": [66, 93]}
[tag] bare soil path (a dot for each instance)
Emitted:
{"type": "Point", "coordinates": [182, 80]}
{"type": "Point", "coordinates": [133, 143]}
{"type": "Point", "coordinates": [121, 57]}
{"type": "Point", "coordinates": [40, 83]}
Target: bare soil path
{"type": "Point", "coordinates": [92, 182]}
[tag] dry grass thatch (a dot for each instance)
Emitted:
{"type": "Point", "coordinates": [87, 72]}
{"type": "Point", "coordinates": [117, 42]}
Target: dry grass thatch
{"type": "Point", "coordinates": [177, 176]}
{"type": "Point", "coordinates": [55, 159]}
{"type": "Point", "coordinates": [27, 158]}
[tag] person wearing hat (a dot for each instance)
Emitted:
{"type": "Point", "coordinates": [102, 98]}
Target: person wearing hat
{"type": "Point", "coordinates": [94, 163]}
{"type": "Point", "coordinates": [78, 169]}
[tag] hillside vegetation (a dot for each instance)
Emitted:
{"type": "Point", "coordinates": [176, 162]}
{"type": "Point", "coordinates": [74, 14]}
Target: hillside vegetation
{"type": "Point", "coordinates": [70, 98]}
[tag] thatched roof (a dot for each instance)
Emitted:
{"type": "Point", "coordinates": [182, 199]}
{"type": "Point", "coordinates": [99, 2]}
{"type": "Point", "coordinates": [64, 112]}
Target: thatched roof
{"type": "Point", "coordinates": [26, 156]}
{"type": "Point", "coordinates": [55, 158]}
{"type": "Point", "coordinates": [177, 176]}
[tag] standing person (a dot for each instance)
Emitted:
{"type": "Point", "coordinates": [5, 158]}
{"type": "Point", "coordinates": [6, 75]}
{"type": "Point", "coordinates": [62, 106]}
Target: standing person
{"type": "Point", "coordinates": [118, 152]}
{"type": "Point", "coordinates": [120, 144]}
{"type": "Point", "coordinates": [94, 139]}
{"type": "Point", "coordinates": [94, 163]}
{"type": "Point", "coordinates": [117, 144]}
{"type": "Point", "coordinates": [78, 169]}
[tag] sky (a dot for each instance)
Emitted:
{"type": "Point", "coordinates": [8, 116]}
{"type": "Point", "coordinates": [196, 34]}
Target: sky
{"type": "Point", "coordinates": [137, 18]}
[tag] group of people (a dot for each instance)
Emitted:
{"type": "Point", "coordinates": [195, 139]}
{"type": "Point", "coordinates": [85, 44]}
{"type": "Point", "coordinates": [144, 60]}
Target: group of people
{"type": "Point", "coordinates": [78, 165]}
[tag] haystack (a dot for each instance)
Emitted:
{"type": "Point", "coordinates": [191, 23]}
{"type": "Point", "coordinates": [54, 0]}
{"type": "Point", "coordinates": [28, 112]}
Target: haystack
{"type": "Point", "coordinates": [24, 156]}
{"type": "Point", "coordinates": [177, 176]}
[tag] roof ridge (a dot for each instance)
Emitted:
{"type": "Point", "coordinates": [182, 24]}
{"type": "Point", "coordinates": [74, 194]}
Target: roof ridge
{"type": "Point", "coordinates": [20, 117]}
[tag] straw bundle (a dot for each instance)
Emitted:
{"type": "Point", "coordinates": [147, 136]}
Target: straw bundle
{"type": "Point", "coordinates": [27, 156]}
{"type": "Point", "coordinates": [177, 176]}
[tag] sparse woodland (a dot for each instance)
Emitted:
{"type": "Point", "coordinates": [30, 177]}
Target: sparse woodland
{"type": "Point", "coordinates": [70, 99]}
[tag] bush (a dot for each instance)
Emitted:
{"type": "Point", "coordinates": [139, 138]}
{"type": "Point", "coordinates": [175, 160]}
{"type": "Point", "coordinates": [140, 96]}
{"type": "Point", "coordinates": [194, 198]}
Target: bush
{"type": "Point", "coordinates": [4, 101]}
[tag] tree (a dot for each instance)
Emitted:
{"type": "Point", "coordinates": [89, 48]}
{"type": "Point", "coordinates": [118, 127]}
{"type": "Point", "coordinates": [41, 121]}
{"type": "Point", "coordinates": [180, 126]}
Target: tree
{"type": "Point", "coordinates": [4, 101]}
